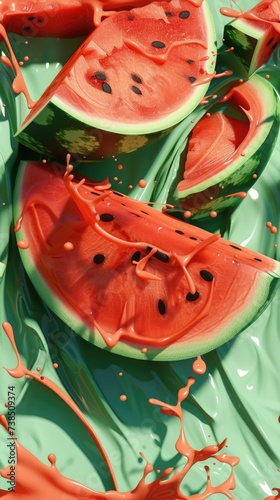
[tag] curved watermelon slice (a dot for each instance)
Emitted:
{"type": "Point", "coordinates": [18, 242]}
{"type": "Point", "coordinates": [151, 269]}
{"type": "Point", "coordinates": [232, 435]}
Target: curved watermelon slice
{"type": "Point", "coordinates": [237, 140]}
{"type": "Point", "coordinates": [129, 278]}
{"type": "Point", "coordinates": [254, 34]}
{"type": "Point", "coordinates": [115, 94]}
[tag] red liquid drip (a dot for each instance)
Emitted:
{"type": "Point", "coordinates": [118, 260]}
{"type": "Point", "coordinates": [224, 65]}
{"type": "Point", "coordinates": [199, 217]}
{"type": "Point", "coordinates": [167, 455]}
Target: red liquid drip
{"type": "Point", "coordinates": [18, 83]}
{"type": "Point", "coordinates": [36, 480]}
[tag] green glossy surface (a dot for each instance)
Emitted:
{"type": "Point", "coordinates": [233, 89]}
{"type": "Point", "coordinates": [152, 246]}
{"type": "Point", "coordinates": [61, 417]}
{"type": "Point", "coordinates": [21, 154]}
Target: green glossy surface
{"type": "Point", "coordinates": [238, 397]}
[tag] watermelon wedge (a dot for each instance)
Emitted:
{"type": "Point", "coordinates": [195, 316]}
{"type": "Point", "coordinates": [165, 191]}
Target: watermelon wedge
{"type": "Point", "coordinates": [115, 94]}
{"type": "Point", "coordinates": [129, 278]}
{"type": "Point", "coordinates": [237, 140]}
{"type": "Point", "coordinates": [40, 18]}
{"type": "Point", "coordinates": [254, 34]}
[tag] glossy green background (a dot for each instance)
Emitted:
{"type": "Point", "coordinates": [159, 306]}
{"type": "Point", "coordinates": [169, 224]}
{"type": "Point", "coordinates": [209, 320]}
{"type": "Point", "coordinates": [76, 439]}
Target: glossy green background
{"type": "Point", "coordinates": [238, 397]}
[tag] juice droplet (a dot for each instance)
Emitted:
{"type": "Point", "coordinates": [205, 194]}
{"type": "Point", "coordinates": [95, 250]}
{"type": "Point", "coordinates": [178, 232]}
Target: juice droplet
{"type": "Point", "coordinates": [120, 166]}
{"type": "Point", "coordinates": [199, 366]}
{"type": "Point", "coordinates": [142, 183]}
{"type": "Point", "coordinates": [18, 225]}
{"type": "Point", "coordinates": [130, 186]}
{"type": "Point", "coordinates": [240, 194]}
{"type": "Point", "coordinates": [268, 224]}
{"type": "Point", "coordinates": [6, 404]}
{"type": "Point", "coordinates": [120, 374]}
{"type": "Point", "coordinates": [187, 214]}
{"type": "Point", "coordinates": [273, 229]}
{"type": "Point", "coordinates": [23, 244]}
{"type": "Point", "coordinates": [68, 246]}
{"type": "Point", "coordinates": [254, 176]}
{"type": "Point", "coordinates": [55, 365]}
{"type": "Point", "coordinates": [123, 397]}
{"type": "Point", "coordinates": [52, 459]}
{"type": "Point", "coordinates": [38, 369]}
{"type": "Point", "coordinates": [213, 214]}
{"type": "Point", "coordinates": [144, 350]}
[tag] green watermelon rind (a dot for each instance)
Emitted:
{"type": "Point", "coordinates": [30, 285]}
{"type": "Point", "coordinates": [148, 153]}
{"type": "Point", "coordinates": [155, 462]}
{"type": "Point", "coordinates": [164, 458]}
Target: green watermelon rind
{"type": "Point", "coordinates": [238, 175]}
{"type": "Point", "coordinates": [90, 135]}
{"type": "Point", "coordinates": [248, 40]}
{"type": "Point", "coordinates": [265, 287]}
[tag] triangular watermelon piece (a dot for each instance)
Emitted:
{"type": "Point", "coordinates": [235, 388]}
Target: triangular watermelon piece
{"type": "Point", "coordinates": [129, 278]}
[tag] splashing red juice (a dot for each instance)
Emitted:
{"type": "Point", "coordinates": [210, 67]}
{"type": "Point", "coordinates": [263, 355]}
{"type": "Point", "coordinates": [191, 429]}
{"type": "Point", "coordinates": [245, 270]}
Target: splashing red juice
{"type": "Point", "coordinates": [34, 478]}
{"type": "Point", "coordinates": [249, 15]}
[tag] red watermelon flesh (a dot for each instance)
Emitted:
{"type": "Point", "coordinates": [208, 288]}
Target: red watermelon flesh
{"type": "Point", "coordinates": [126, 276]}
{"type": "Point", "coordinates": [213, 143]}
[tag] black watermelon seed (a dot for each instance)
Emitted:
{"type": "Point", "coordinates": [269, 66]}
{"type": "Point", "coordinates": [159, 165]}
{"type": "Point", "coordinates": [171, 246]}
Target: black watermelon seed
{"type": "Point", "coordinates": [95, 193]}
{"type": "Point", "coordinates": [136, 256]}
{"type": "Point", "coordinates": [118, 194]}
{"type": "Point", "coordinates": [158, 45]}
{"type": "Point", "coordinates": [136, 78]}
{"type": "Point", "coordinates": [190, 61]}
{"type": "Point", "coordinates": [235, 247]}
{"type": "Point", "coordinates": [26, 28]}
{"type": "Point", "coordinates": [163, 257]}
{"type": "Point", "coordinates": [179, 232]}
{"type": "Point", "coordinates": [146, 213]}
{"type": "Point", "coordinates": [98, 258]}
{"type": "Point", "coordinates": [100, 75]}
{"type": "Point", "coordinates": [106, 217]}
{"type": "Point", "coordinates": [31, 18]}
{"type": "Point", "coordinates": [136, 90]}
{"type": "Point", "coordinates": [270, 41]}
{"type": "Point", "coordinates": [192, 296]}
{"type": "Point", "coordinates": [135, 215]}
{"type": "Point", "coordinates": [193, 238]}
{"type": "Point", "coordinates": [106, 88]}
{"type": "Point", "coordinates": [257, 259]}
{"type": "Point", "coordinates": [130, 17]}
{"type": "Point", "coordinates": [161, 307]}
{"type": "Point", "coordinates": [168, 13]}
{"type": "Point", "coordinates": [39, 20]}
{"type": "Point", "coordinates": [192, 79]}
{"type": "Point", "coordinates": [184, 14]}
{"type": "Point", "coordinates": [206, 275]}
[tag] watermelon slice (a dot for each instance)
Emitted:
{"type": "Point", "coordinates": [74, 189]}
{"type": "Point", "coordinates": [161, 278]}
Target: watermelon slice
{"type": "Point", "coordinates": [60, 18]}
{"type": "Point", "coordinates": [237, 139]}
{"type": "Point", "coordinates": [254, 34]}
{"type": "Point", "coordinates": [116, 93]}
{"type": "Point", "coordinates": [129, 278]}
